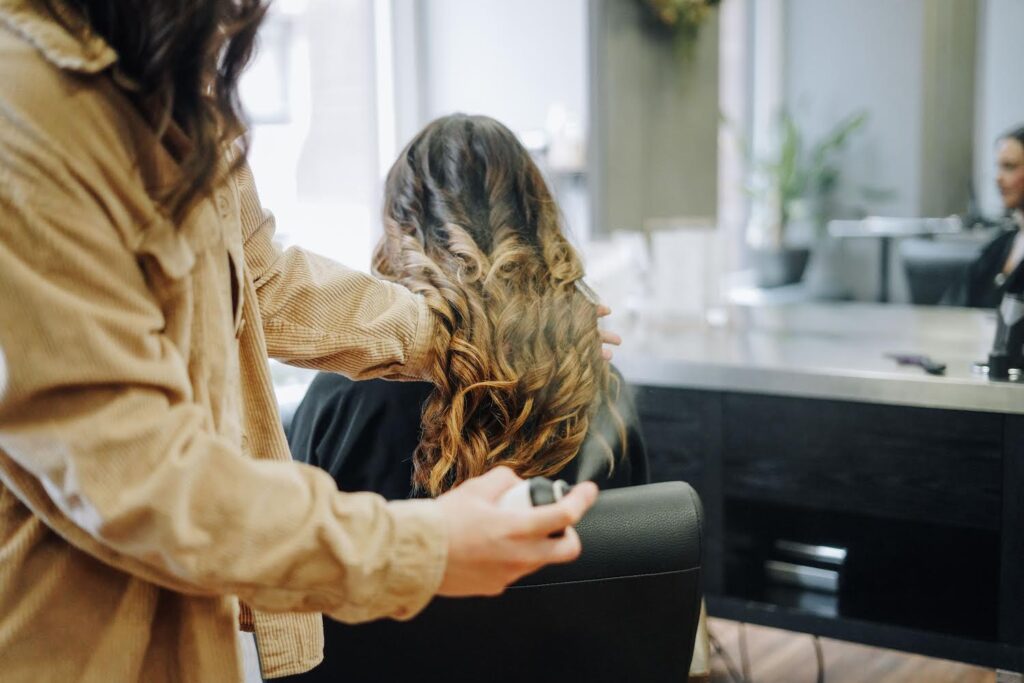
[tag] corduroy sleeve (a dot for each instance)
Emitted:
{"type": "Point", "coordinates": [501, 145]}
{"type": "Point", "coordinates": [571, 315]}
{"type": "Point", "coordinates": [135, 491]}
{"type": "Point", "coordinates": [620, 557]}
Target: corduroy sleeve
{"type": "Point", "coordinates": [101, 438]}
{"type": "Point", "coordinates": [319, 314]}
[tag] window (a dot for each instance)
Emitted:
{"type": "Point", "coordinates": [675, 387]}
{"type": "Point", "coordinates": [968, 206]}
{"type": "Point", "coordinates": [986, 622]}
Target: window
{"type": "Point", "coordinates": [311, 96]}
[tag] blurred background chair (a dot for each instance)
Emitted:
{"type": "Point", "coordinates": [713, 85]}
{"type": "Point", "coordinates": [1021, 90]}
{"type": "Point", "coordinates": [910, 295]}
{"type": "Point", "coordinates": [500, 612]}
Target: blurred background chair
{"type": "Point", "coordinates": [932, 266]}
{"type": "Point", "coordinates": [886, 229]}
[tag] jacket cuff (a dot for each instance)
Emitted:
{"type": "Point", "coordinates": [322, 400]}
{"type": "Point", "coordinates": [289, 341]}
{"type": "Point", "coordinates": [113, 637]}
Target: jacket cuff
{"type": "Point", "coordinates": [419, 556]}
{"type": "Point", "coordinates": [288, 644]}
{"type": "Point", "coordinates": [421, 353]}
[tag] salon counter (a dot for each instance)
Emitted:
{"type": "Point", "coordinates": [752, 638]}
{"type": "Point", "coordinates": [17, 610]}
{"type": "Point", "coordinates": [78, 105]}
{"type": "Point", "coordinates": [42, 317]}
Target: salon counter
{"type": "Point", "coordinates": [834, 351]}
{"type": "Point", "coordinates": [794, 426]}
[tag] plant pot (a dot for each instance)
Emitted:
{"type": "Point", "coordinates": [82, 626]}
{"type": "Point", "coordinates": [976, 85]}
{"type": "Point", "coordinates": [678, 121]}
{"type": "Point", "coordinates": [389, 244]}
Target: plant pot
{"type": "Point", "coordinates": [825, 277]}
{"type": "Point", "coordinates": [778, 267]}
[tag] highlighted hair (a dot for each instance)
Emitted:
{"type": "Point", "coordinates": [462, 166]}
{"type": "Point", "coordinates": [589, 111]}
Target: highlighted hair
{"type": "Point", "coordinates": [470, 224]}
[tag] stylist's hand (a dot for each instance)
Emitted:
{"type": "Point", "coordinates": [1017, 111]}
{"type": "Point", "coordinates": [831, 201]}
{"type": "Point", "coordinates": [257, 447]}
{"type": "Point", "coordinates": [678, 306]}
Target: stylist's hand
{"type": "Point", "coordinates": [490, 547]}
{"type": "Point", "coordinates": [607, 338]}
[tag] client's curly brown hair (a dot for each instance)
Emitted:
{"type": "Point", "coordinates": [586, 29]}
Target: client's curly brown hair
{"type": "Point", "coordinates": [470, 224]}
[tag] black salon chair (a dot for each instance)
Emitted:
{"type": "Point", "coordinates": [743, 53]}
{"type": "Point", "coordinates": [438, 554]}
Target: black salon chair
{"type": "Point", "coordinates": [626, 610]}
{"type": "Point", "coordinates": [932, 266]}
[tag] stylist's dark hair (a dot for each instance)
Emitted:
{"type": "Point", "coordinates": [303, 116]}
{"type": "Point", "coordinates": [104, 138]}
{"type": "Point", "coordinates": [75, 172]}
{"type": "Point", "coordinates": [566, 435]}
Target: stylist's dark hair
{"type": "Point", "coordinates": [1014, 134]}
{"type": "Point", "coordinates": [183, 59]}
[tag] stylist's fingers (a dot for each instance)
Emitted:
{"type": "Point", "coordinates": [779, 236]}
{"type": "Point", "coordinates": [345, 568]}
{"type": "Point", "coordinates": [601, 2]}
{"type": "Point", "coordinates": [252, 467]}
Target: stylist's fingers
{"type": "Point", "coordinates": [492, 484]}
{"type": "Point", "coordinates": [608, 337]}
{"type": "Point", "coordinates": [564, 548]}
{"type": "Point", "coordinates": [549, 519]}
{"type": "Point", "coordinates": [543, 551]}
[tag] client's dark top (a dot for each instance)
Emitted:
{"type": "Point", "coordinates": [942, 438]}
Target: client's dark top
{"type": "Point", "coordinates": [983, 284]}
{"type": "Point", "coordinates": [364, 434]}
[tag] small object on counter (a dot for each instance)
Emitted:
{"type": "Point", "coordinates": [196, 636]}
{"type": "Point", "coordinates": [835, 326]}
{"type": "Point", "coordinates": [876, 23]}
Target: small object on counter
{"type": "Point", "coordinates": [1006, 359]}
{"type": "Point", "coordinates": [926, 363]}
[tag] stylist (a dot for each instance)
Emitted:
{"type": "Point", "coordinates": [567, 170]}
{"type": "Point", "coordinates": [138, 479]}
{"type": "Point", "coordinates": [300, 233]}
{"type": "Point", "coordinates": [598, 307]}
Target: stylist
{"type": "Point", "coordinates": [145, 483]}
{"type": "Point", "coordinates": [984, 282]}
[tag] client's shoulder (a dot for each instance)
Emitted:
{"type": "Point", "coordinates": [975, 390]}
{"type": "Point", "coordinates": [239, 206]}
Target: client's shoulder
{"type": "Point", "coordinates": [331, 387]}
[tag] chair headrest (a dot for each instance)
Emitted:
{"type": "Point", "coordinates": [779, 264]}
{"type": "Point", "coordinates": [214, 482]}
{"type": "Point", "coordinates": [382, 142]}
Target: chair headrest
{"type": "Point", "coordinates": [627, 609]}
{"type": "Point", "coordinates": [634, 530]}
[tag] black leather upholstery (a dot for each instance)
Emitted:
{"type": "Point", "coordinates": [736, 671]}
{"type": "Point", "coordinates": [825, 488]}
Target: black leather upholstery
{"type": "Point", "coordinates": [933, 266]}
{"type": "Point", "coordinates": [627, 610]}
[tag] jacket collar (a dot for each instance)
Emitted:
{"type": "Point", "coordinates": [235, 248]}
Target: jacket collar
{"type": "Point", "coordinates": [74, 49]}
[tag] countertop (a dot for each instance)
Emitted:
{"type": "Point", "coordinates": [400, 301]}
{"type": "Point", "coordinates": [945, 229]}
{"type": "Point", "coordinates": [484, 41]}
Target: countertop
{"type": "Point", "coordinates": [829, 351]}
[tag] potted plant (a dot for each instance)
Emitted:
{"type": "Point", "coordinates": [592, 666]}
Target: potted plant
{"type": "Point", "coordinates": [680, 20]}
{"type": "Point", "coordinates": [791, 190]}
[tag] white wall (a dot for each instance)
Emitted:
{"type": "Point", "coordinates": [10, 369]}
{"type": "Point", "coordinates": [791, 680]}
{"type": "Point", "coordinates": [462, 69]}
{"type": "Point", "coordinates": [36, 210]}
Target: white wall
{"type": "Point", "coordinates": [848, 55]}
{"type": "Point", "coordinates": [844, 56]}
{"type": "Point", "coordinates": [315, 161]}
{"type": "Point", "coordinates": [909, 65]}
{"type": "Point", "coordinates": [512, 61]}
{"type": "Point", "coordinates": [1000, 90]}
{"type": "Point", "coordinates": [509, 60]}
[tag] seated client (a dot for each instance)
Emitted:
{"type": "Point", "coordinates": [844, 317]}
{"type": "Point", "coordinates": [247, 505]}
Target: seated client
{"type": "Point", "coordinates": [471, 225]}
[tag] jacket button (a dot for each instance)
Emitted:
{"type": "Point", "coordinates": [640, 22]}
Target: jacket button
{"type": "Point", "coordinates": [223, 205]}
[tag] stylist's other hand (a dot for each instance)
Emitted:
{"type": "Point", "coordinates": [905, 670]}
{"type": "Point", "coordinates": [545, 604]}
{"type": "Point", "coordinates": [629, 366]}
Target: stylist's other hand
{"type": "Point", "coordinates": [490, 547]}
{"type": "Point", "coordinates": [609, 338]}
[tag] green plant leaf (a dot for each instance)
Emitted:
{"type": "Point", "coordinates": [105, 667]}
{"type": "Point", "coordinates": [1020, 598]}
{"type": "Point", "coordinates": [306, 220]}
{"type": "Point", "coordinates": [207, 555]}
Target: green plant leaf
{"type": "Point", "coordinates": [837, 137]}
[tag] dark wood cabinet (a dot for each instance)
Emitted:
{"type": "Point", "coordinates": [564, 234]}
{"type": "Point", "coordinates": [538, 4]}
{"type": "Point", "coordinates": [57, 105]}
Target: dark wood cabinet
{"type": "Point", "coordinates": [926, 502]}
{"type": "Point", "coordinates": [939, 466]}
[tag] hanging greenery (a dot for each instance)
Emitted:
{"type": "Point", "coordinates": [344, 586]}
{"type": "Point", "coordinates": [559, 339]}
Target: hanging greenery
{"type": "Point", "coordinates": [680, 18]}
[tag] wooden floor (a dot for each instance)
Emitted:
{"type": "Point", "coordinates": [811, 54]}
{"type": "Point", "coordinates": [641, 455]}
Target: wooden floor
{"type": "Point", "coordinates": [783, 657]}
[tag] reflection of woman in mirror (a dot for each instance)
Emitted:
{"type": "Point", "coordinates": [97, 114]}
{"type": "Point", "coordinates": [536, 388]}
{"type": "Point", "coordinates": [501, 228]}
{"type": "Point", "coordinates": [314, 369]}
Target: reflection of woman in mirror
{"type": "Point", "coordinates": [983, 284]}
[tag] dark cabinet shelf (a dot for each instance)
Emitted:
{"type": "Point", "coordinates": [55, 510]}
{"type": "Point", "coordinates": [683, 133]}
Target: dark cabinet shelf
{"type": "Point", "coordinates": [926, 502]}
{"type": "Point", "coordinates": [909, 574]}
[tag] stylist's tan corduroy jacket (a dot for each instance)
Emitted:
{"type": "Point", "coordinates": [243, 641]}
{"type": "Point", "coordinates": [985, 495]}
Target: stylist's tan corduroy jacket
{"type": "Point", "coordinates": [145, 482]}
